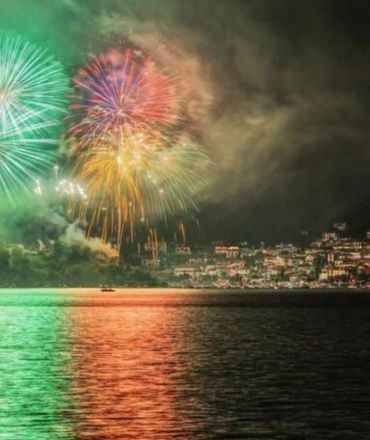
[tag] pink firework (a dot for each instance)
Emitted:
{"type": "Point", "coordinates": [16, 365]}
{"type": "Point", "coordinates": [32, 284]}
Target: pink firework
{"type": "Point", "coordinates": [120, 92]}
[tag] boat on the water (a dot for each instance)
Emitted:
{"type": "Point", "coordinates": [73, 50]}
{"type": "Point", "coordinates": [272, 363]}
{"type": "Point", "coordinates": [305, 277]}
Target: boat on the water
{"type": "Point", "coordinates": [107, 289]}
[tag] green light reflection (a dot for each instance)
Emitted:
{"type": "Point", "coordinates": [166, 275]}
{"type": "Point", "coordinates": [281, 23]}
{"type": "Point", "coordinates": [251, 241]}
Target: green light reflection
{"type": "Point", "coordinates": [34, 369]}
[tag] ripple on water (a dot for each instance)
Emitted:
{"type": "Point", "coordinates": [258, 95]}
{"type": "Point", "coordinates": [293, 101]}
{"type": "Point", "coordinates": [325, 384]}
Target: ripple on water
{"type": "Point", "coordinates": [183, 365]}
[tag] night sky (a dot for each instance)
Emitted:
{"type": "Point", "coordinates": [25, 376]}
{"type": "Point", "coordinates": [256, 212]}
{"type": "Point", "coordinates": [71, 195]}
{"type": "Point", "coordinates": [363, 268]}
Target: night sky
{"type": "Point", "coordinates": [280, 93]}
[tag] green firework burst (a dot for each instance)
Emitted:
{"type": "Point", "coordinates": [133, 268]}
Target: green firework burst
{"type": "Point", "coordinates": [32, 100]}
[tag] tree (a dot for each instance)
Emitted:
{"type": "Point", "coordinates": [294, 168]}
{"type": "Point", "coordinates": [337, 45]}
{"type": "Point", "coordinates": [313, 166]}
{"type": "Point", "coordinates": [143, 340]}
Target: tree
{"type": "Point", "coordinates": [318, 264]}
{"type": "Point", "coordinates": [4, 265]}
{"type": "Point", "coordinates": [4, 259]}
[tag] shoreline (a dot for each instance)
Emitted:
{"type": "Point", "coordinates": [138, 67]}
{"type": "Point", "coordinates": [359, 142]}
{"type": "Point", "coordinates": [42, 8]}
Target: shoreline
{"type": "Point", "coordinates": [184, 289]}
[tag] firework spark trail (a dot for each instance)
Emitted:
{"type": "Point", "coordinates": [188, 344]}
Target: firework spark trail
{"type": "Point", "coordinates": [135, 181]}
{"type": "Point", "coordinates": [31, 83]}
{"type": "Point", "coordinates": [32, 99]}
{"type": "Point", "coordinates": [128, 153]}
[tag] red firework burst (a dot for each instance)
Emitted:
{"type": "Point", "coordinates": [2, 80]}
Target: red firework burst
{"type": "Point", "coordinates": [120, 92]}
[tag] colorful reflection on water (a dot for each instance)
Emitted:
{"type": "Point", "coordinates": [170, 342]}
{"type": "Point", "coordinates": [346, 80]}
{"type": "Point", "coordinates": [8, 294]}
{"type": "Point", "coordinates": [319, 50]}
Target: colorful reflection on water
{"type": "Point", "coordinates": [127, 372]}
{"type": "Point", "coordinates": [145, 365]}
{"type": "Point", "coordinates": [35, 375]}
{"type": "Point", "coordinates": [95, 370]}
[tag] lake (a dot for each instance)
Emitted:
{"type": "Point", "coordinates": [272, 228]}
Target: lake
{"type": "Point", "coordinates": [174, 364]}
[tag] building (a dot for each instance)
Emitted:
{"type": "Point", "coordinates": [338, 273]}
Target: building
{"type": "Point", "coordinates": [181, 249]}
{"type": "Point", "coordinates": [186, 269]}
{"type": "Point", "coordinates": [340, 226]}
{"type": "Point", "coordinates": [329, 273]}
{"type": "Point", "coordinates": [227, 251]}
{"type": "Point", "coordinates": [329, 236]}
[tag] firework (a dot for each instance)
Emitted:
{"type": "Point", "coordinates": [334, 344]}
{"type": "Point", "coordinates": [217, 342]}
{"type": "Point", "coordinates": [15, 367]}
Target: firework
{"type": "Point", "coordinates": [64, 188]}
{"type": "Point", "coordinates": [32, 86]}
{"type": "Point", "coordinates": [32, 91]}
{"type": "Point", "coordinates": [70, 189]}
{"type": "Point", "coordinates": [139, 180]}
{"type": "Point", "coordinates": [23, 158]}
{"type": "Point", "coordinates": [120, 92]}
{"type": "Point", "coordinates": [127, 128]}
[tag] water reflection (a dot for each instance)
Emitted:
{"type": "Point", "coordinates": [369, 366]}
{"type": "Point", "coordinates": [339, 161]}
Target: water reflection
{"type": "Point", "coordinates": [180, 365]}
{"type": "Point", "coordinates": [34, 375]}
{"type": "Point", "coordinates": [109, 370]}
{"type": "Point", "coordinates": [128, 373]}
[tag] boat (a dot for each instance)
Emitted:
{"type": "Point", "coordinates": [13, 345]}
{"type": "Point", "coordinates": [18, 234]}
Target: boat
{"type": "Point", "coordinates": [107, 289]}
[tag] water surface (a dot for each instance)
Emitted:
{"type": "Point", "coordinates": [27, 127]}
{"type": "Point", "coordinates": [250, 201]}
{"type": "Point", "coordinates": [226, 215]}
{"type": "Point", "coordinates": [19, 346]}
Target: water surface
{"type": "Point", "coordinates": [152, 364]}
